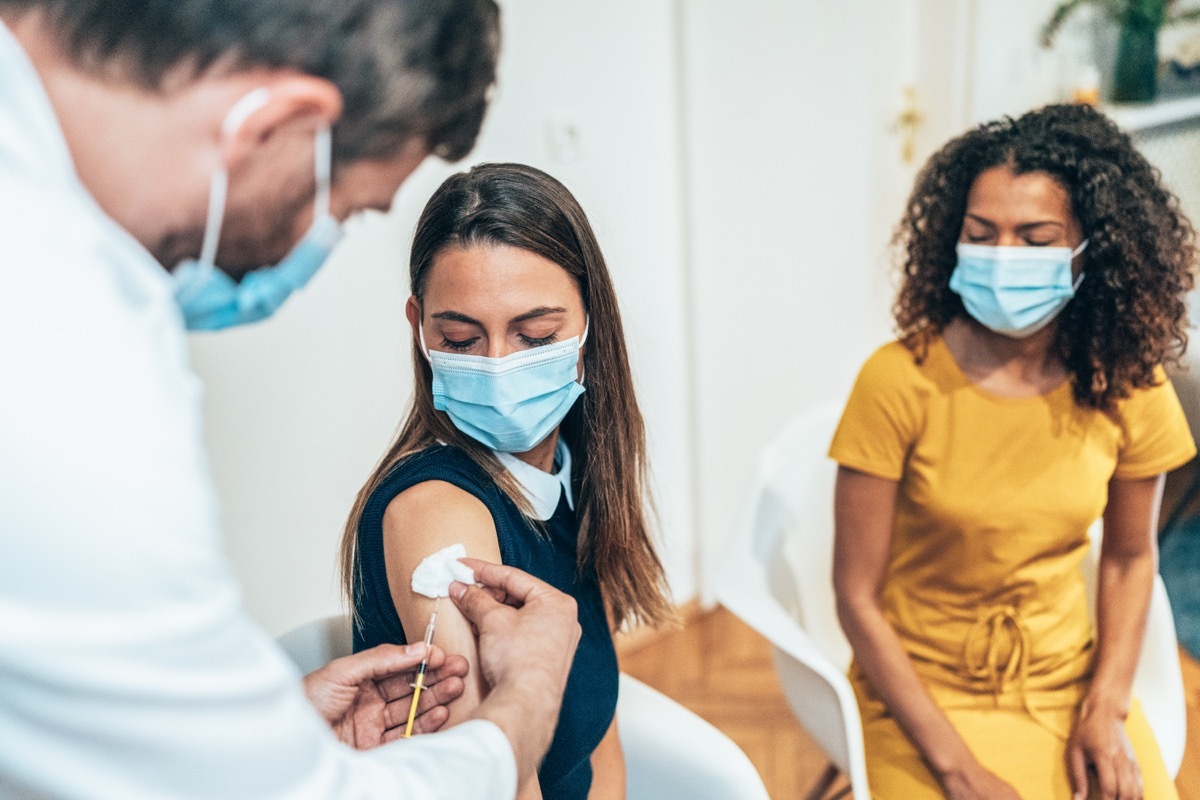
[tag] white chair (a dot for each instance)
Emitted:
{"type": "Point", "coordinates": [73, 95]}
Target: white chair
{"type": "Point", "coordinates": [790, 508]}
{"type": "Point", "coordinates": [778, 580]}
{"type": "Point", "coordinates": [670, 753]}
{"type": "Point", "coordinates": [314, 644]}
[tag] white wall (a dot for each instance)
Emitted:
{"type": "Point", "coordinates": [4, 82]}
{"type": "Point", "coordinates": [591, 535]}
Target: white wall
{"type": "Point", "coordinates": [300, 407]}
{"type": "Point", "coordinates": [788, 109]}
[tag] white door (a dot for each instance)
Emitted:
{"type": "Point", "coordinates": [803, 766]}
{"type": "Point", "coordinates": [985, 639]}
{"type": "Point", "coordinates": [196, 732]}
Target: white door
{"type": "Point", "coordinates": [796, 173]}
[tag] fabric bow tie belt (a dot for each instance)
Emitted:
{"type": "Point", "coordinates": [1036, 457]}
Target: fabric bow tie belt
{"type": "Point", "coordinates": [997, 652]}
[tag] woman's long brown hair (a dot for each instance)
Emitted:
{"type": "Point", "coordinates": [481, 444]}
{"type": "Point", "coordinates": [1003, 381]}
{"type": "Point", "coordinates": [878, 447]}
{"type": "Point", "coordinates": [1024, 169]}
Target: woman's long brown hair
{"type": "Point", "coordinates": [519, 206]}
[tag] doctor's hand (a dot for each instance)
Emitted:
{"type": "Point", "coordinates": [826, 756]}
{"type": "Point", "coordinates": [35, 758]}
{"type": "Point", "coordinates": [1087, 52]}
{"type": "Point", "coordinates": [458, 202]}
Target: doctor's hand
{"type": "Point", "coordinates": [365, 697]}
{"type": "Point", "coordinates": [528, 632]}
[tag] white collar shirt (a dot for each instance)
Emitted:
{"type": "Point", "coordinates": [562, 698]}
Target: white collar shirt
{"type": "Point", "coordinates": [543, 489]}
{"type": "Point", "coordinates": [128, 667]}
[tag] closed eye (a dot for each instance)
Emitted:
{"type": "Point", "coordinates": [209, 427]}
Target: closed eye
{"type": "Point", "coordinates": [459, 346]}
{"type": "Point", "coordinates": [530, 342]}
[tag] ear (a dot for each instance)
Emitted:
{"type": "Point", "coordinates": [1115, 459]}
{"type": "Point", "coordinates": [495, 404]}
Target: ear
{"type": "Point", "coordinates": [293, 101]}
{"type": "Point", "coordinates": [412, 310]}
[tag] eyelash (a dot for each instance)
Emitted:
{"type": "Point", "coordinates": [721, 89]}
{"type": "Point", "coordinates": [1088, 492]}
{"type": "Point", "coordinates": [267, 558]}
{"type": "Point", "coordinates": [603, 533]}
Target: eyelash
{"type": "Point", "coordinates": [976, 239]}
{"type": "Point", "coordinates": [539, 342]}
{"type": "Point", "coordinates": [467, 344]}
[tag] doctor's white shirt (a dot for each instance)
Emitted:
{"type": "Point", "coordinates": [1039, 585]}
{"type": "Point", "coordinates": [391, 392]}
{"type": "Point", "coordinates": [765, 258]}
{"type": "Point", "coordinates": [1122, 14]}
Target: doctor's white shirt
{"type": "Point", "coordinates": [128, 667]}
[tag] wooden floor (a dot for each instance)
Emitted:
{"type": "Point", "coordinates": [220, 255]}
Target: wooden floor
{"type": "Point", "coordinates": [722, 670]}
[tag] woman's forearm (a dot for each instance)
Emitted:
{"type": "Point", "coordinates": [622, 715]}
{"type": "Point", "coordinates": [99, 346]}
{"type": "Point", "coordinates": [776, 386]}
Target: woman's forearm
{"type": "Point", "coordinates": [887, 666]}
{"type": "Point", "coordinates": [1128, 562]}
{"type": "Point", "coordinates": [1122, 605]}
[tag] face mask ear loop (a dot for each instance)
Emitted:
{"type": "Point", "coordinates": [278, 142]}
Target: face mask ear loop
{"type": "Point", "coordinates": [324, 164]}
{"type": "Point", "coordinates": [219, 186]}
{"type": "Point", "coordinates": [421, 338]}
{"type": "Point", "coordinates": [1082, 246]}
{"type": "Point", "coordinates": [587, 325]}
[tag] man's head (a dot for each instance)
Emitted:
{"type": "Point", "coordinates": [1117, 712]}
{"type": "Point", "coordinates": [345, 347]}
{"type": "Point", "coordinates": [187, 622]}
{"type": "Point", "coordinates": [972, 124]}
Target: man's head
{"type": "Point", "coordinates": [396, 79]}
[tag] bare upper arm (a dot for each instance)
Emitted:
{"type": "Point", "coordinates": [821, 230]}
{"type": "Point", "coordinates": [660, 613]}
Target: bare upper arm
{"type": "Point", "coordinates": [608, 767]}
{"type": "Point", "coordinates": [422, 520]}
{"type": "Point", "coordinates": [864, 509]}
{"type": "Point", "coordinates": [1131, 516]}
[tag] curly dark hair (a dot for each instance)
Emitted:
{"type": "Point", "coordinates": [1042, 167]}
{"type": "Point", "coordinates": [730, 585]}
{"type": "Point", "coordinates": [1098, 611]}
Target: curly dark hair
{"type": "Point", "coordinates": [1129, 316]}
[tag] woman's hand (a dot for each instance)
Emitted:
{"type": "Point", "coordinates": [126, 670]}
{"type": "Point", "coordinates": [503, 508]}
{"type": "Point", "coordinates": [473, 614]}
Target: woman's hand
{"type": "Point", "coordinates": [1099, 742]}
{"type": "Point", "coordinates": [976, 783]}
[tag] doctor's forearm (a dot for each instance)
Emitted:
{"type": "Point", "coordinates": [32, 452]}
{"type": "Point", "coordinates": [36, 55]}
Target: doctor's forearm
{"type": "Point", "coordinates": [527, 714]}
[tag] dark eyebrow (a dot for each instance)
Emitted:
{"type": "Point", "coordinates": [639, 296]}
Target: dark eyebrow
{"type": "Point", "coordinates": [455, 316]}
{"type": "Point", "coordinates": [1022, 227]}
{"type": "Point", "coordinates": [540, 311]}
{"type": "Point", "coordinates": [1029, 225]}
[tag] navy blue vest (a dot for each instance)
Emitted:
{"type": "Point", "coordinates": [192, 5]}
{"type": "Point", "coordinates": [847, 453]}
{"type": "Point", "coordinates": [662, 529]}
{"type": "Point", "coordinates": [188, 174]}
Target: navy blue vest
{"type": "Point", "coordinates": [591, 697]}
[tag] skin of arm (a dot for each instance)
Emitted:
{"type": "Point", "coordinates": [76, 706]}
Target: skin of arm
{"type": "Point", "coordinates": [1128, 562]}
{"type": "Point", "coordinates": [608, 767]}
{"type": "Point", "coordinates": [418, 522]}
{"type": "Point", "coordinates": [864, 508]}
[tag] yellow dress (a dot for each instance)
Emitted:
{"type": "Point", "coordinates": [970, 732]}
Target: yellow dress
{"type": "Point", "coordinates": [983, 583]}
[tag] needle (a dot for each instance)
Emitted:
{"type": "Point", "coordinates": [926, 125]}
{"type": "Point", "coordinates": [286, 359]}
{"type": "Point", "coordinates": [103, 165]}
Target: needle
{"type": "Point", "coordinates": [420, 684]}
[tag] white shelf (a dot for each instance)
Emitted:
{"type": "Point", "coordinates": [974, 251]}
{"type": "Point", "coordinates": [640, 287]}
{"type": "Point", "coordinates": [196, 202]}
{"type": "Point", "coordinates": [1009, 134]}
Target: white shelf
{"type": "Point", "coordinates": [1143, 116]}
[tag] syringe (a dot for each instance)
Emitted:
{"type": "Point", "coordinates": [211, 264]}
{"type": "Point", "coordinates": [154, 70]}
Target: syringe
{"type": "Point", "coordinates": [420, 683]}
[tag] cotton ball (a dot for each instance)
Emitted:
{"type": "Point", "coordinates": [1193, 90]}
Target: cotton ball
{"type": "Point", "coordinates": [435, 573]}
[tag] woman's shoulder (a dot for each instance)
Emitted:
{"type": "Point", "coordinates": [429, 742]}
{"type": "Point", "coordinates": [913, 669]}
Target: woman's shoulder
{"type": "Point", "coordinates": [1155, 435]}
{"type": "Point", "coordinates": [438, 465]}
{"type": "Point", "coordinates": [442, 462]}
{"type": "Point", "coordinates": [900, 365]}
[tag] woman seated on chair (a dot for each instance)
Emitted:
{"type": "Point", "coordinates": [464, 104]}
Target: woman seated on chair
{"type": "Point", "coordinates": [524, 443]}
{"type": "Point", "coordinates": [1044, 274]}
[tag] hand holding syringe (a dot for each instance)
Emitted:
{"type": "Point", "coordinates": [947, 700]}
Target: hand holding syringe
{"type": "Point", "coordinates": [432, 578]}
{"type": "Point", "coordinates": [420, 682]}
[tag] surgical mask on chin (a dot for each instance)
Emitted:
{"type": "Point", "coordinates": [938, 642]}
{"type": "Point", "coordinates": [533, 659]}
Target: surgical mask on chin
{"type": "Point", "coordinates": [1015, 291]}
{"type": "Point", "coordinates": [509, 404]}
{"type": "Point", "coordinates": [209, 298]}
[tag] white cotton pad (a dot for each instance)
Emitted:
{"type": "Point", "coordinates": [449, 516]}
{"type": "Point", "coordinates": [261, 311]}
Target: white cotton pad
{"type": "Point", "coordinates": [433, 575]}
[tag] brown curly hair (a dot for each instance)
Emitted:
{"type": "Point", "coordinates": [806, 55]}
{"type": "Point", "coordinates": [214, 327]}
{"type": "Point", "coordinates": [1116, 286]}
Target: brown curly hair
{"type": "Point", "coordinates": [1130, 315]}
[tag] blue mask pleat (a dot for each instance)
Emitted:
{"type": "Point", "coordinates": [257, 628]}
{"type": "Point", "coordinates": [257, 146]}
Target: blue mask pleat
{"type": "Point", "coordinates": [211, 300]}
{"type": "Point", "coordinates": [1014, 291]}
{"type": "Point", "coordinates": [508, 404]}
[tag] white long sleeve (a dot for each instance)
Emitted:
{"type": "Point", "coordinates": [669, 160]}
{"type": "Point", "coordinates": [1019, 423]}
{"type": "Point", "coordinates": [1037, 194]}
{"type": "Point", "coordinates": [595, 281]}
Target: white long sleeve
{"type": "Point", "coordinates": [128, 668]}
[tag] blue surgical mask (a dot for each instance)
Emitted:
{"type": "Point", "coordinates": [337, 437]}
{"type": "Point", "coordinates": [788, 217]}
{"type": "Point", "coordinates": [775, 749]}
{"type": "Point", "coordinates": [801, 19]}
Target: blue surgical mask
{"type": "Point", "coordinates": [210, 299]}
{"type": "Point", "coordinates": [509, 404]}
{"type": "Point", "coordinates": [1015, 291]}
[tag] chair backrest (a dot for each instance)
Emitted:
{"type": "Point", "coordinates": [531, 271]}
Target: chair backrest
{"type": "Point", "coordinates": [670, 753]}
{"type": "Point", "coordinates": [777, 579]}
{"type": "Point", "coordinates": [314, 644]}
{"type": "Point", "coordinates": [800, 479]}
